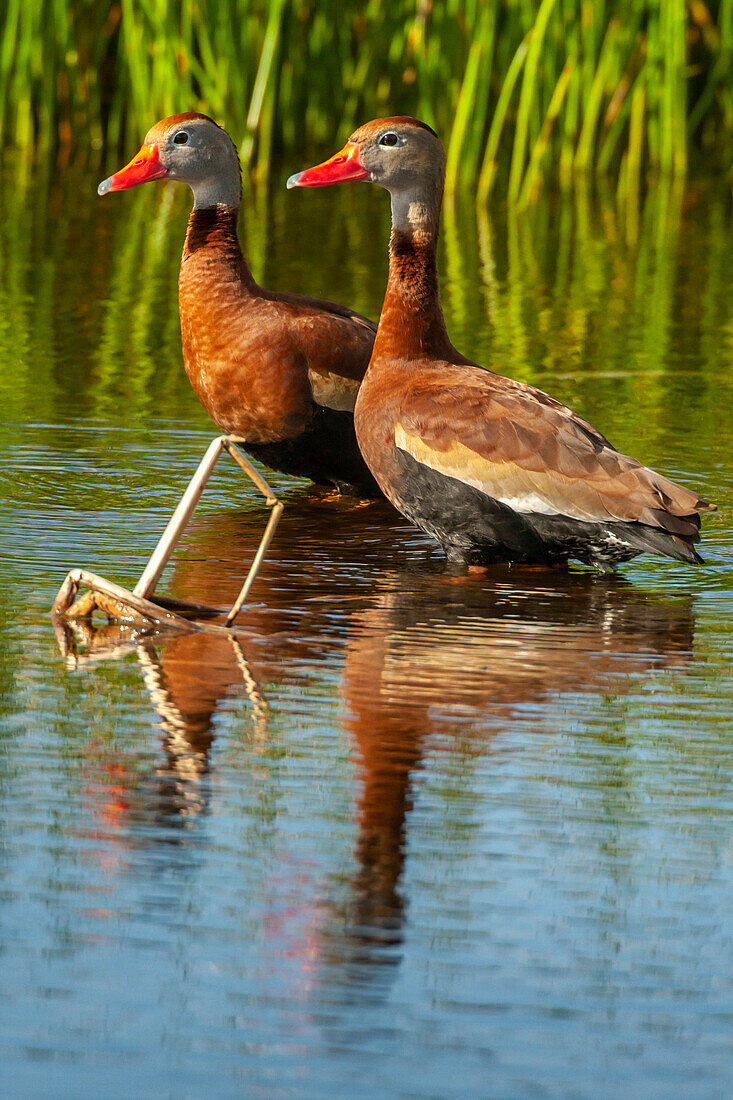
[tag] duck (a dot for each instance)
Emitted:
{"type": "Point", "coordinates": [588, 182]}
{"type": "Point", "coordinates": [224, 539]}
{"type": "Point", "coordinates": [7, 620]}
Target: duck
{"type": "Point", "coordinates": [492, 469]}
{"type": "Point", "coordinates": [280, 371]}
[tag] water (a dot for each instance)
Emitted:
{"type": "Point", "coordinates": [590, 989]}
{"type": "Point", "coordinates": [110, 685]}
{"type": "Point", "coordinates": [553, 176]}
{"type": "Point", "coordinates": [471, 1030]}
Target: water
{"type": "Point", "coordinates": [412, 833]}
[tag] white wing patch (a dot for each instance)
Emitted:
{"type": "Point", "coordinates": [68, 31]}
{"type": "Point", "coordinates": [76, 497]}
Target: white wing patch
{"type": "Point", "coordinates": [333, 392]}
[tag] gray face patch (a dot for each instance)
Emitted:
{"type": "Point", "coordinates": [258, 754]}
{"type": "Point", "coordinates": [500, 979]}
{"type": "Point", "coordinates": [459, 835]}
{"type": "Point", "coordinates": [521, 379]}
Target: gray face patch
{"type": "Point", "coordinates": [207, 161]}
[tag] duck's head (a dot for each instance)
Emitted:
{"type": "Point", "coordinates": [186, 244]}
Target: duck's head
{"type": "Point", "coordinates": [190, 148]}
{"type": "Point", "coordinates": [401, 154]}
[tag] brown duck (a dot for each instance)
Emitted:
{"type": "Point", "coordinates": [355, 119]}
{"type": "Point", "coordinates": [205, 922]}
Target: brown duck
{"type": "Point", "coordinates": [492, 469]}
{"type": "Point", "coordinates": [281, 371]}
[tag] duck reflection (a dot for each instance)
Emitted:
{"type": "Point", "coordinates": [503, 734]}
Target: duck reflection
{"type": "Point", "coordinates": [427, 656]}
{"type": "Point", "coordinates": [437, 657]}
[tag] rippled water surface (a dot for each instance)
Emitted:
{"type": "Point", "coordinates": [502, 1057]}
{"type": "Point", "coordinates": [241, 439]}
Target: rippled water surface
{"type": "Point", "coordinates": [409, 832]}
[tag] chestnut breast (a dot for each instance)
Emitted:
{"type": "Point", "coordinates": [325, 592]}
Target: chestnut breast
{"type": "Point", "coordinates": [377, 412]}
{"type": "Point", "coordinates": [239, 355]}
{"type": "Point", "coordinates": [259, 361]}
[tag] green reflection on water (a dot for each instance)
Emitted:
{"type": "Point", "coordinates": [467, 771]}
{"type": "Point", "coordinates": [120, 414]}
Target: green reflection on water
{"type": "Point", "coordinates": [561, 295]}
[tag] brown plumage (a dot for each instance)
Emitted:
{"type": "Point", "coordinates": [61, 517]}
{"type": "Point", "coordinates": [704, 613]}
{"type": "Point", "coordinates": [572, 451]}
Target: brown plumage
{"type": "Point", "coordinates": [492, 469]}
{"type": "Point", "coordinates": [280, 370]}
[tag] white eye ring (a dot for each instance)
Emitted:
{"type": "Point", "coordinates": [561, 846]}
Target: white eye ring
{"type": "Point", "coordinates": [394, 140]}
{"type": "Point", "coordinates": [180, 138]}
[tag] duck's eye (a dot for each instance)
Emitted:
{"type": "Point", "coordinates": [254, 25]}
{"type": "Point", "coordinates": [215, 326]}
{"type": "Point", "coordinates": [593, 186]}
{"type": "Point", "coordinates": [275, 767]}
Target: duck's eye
{"type": "Point", "coordinates": [389, 139]}
{"type": "Point", "coordinates": [181, 138]}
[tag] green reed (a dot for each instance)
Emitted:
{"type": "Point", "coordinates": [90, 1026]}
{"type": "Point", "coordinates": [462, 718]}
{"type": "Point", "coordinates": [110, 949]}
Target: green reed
{"type": "Point", "coordinates": [522, 92]}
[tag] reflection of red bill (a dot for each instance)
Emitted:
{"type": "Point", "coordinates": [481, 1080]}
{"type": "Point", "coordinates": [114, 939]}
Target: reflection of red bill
{"type": "Point", "coordinates": [342, 166]}
{"type": "Point", "coordinates": [144, 166]}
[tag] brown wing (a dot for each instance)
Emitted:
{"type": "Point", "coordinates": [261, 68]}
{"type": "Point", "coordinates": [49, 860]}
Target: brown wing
{"type": "Point", "coordinates": [323, 306]}
{"type": "Point", "coordinates": [534, 454]}
{"type": "Point", "coordinates": [337, 343]}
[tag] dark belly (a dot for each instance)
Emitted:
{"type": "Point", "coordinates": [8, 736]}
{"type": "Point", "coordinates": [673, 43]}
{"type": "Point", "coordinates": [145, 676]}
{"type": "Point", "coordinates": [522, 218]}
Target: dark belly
{"type": "Point", "coordinates": [326, 452]}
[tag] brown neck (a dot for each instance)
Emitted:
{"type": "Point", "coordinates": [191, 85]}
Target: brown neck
{"type": "Point", "coordinates": [213, 229]}
{"type": "Point", "coordinates": [411, 325]}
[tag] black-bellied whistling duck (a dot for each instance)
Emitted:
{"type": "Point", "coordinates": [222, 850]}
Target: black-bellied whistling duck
{"type": "Point", "coordinates": [281, 371]}
{"type": "Point", "coordinates": [492, 469]}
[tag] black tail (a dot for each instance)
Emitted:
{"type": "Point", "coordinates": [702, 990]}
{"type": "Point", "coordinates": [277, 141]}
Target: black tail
{"type": "Point", "coordinates": [653, 540]}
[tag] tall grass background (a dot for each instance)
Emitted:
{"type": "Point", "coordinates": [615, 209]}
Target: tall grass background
{"type": "Point", "coordinates": [523, 92]}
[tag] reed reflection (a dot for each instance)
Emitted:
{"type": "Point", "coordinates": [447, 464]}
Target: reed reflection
{"type": "Point", "coordinates": [602, 303]}
{"type": "Point", "coordinates": [427, 660]}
